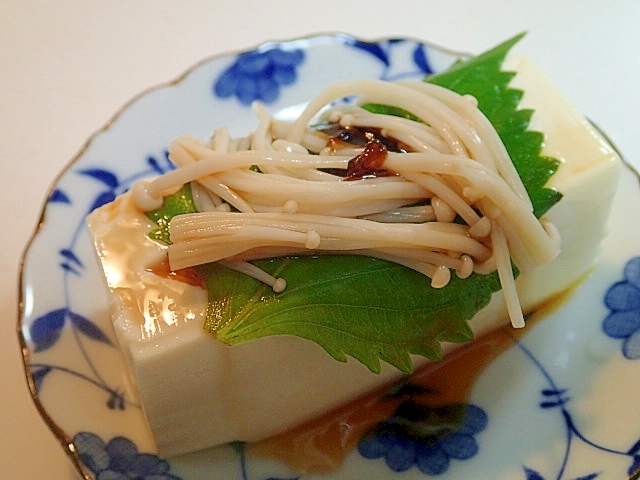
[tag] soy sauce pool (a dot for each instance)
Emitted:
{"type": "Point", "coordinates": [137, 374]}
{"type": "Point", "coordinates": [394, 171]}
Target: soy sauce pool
{"type": "Point", "coordinates": [440, 389]}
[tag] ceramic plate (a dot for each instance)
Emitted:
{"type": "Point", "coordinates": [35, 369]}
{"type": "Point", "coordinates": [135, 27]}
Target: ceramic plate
{"type": "Point", "coordinates": [561, 403]}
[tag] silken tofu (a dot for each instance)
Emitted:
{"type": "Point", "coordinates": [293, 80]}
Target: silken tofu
{"type": "Point", "coordinates": [198, 392]}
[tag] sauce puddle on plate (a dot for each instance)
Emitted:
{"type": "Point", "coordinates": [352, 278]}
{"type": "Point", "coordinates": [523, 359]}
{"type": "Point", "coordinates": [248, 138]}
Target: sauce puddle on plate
{"type": "Point", "coordinates": [439, 391]}
{"type": "Point", "coordinates": [436, 395]}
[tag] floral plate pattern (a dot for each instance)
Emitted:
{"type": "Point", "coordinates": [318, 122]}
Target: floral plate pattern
{"type": "Point", "coordinates": [557, 405]}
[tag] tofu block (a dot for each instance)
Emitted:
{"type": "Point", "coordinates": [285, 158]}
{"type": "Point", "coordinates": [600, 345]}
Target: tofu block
{"type": "Point", "coordinates": [198, 392]}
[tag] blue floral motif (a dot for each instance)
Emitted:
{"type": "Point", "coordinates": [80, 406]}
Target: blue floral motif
{"type": "Point", "coordinates": [554, 399]}
{"type": "Point", "coordinates": [58, 196]}
{"type": "Point", "coordinates": [623, 300]}
{"type": "Point", "coordinates": [385, 51]}
{"type": "Point", "coordinates": [46, 330]}
{"type": "Point", "coordinates": [431, 437]}
{"type": "Point", "coordinates": [119, 459]}
{"type": "Point", "coordinates": [428, 437]}
{"type": "Point", "coordinates": [258, 75]}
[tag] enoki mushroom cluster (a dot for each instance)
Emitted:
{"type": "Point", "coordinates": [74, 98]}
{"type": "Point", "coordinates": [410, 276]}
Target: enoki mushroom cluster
{"type": "Point", "coordinates": [434, 191]}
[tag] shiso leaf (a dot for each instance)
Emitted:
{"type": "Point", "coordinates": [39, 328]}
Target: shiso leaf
{"type": "Point", "coordinates": [361, 307]}
{"type": "Point", "coordinates": [365, 308]}
{"type": "Point", "coordinates": [172, 205]}
{"type": "Point", "coordinates": [483, 77]}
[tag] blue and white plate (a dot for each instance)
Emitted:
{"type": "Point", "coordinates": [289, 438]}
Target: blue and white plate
{"type": "Point", "coordinates": [561, 404]}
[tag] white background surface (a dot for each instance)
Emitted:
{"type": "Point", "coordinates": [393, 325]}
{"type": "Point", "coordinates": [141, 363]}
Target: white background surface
{"type": "Point", "coordinates": [66, 67]}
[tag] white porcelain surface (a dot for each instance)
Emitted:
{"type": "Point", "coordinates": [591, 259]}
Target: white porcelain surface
{"type": "Point", "coordinates": [68, 70]}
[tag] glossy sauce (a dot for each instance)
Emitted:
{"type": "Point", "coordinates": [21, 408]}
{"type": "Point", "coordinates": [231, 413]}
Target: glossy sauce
{"type": "Point", "coordinates": [341, 137]}
{"type": "Point", "coordinates": [320, 446]}
{"type": "Point", "coordinates": [190, 275]}
{"type": "Point", "coordinates": [369, 164]}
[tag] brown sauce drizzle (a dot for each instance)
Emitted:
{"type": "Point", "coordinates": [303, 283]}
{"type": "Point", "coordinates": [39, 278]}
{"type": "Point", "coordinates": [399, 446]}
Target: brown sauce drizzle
{"type": "Point", "coordinates": [190, 276]}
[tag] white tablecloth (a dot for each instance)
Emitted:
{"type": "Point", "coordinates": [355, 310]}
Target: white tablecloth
{"type": "Point", "coordinates": [67, 66]}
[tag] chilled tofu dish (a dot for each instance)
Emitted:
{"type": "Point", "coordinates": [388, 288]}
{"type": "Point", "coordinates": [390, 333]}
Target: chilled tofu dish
{"type": "Point", "coordinates": [273, 277]}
